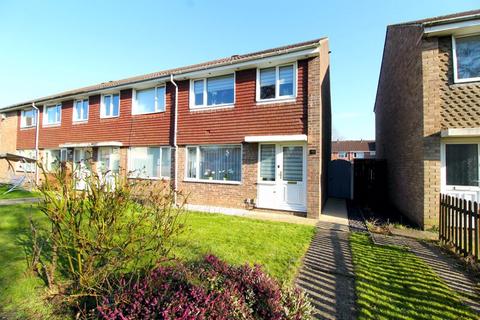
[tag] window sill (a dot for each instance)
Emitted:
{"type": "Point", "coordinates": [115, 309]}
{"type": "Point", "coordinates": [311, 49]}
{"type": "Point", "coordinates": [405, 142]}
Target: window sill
{"type": "Point", "coordinates": [150, 178]}
{"type": "Point", "coordinates": [466, 81]}
{"type": "Point", "coordinates": [27, 128]}
{"type": "Point", "coordinates": [109, 117]}
{"type": "Point", "coordinates": [52, 125]}
{"type": "Point", "coordinates": [147, 113]}
{"type": "Point", "coordinates": [216, 107]}
{"type": "Point", "coordinates": [277, 101]}
{"type": "Point", "coordinates": [80, 121]}
{"type": "Point", "coordinates": [213, 181]}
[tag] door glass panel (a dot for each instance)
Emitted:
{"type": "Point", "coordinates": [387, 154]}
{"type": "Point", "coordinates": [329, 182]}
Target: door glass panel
{"type": "Point", "coordinates": [293, 163]}
{"type": "Point", "coordinates": [267, 162]}
{"type": "Point", "coordinates": [462, 164]}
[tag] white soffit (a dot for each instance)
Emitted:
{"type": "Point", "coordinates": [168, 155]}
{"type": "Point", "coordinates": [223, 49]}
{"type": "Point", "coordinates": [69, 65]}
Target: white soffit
{"type": "Point", "coordinates": [455, 28]}
{"type": "Point", "coordinates": [91, 144]}
{"type": "Point", "coordinates": [283, 138]}
{"type": "Point", "coordinates": [460, 132]}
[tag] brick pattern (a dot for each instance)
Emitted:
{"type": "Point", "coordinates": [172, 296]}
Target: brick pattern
{"type": "Point", "coordinates": [222, 194]}
{"type": "Point", "coordinates": [8, 140]}
{"type": "Point", "coordinates": [399, 119]}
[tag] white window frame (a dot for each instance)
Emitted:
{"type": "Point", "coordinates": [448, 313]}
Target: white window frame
{"type": "Point", "coordinates": [103, 106]}
{"type": "Point", "coordinates": [74, 116]}
{"type": "Point", "coordinates": [197, 164]}
{"type": "Point", "coordinates": [45, 117]}
{"type": "Point", "coordinates": [129, 163]}
{"type": "Point", "coordinates": [134, 106]}
{"type": "Point", "coordinates": [22, 118]}
{"type": "Point", "coordinates": [47, 156]}
{"type": "Point", "coordinates": [205, 95]}
{"type": "Point", "coordinates": [455, 63]}
{"type": "Point", "coordinates": [277, 83]}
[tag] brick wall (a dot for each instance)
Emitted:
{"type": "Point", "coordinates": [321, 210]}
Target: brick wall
{"type": "Point", "coordinates": [8, 140]}
{"type": "Point", "coordinates": [399, 119]}
{"type": "Point", "coordinates": [222, 194]}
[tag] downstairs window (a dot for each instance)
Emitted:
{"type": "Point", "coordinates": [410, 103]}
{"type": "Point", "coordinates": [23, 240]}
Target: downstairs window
{"type": "Point", "coordinates": [214, 163]}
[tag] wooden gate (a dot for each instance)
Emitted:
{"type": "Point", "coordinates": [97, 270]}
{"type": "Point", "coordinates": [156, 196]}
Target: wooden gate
{"type": "Point", "coordinates": [369, 182]}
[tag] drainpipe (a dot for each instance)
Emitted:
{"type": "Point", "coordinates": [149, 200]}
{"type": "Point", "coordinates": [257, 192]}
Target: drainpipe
{"type": "Point", "coordinates": [175, 184]}
{"type": "Point", "coordinates": [37, 122]}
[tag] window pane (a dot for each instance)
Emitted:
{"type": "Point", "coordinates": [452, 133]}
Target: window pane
{"type": "Point", "coordinates": [145, 162]}
{"type": "Point", "coordinates": [192, 163]}
{"type": "Point", "coordinates": [267, 83]}
{"type": "Point", "coordinates": [52, 159]}
{"type": "Point", "coordinates": [116, 104]}
{"type": "Point", "coordinates": [462, 164]}
{"type": "Point", "coordinates": [52, 114]}
{"type": "Point", "coordinates": [292, 163]}
{"type": "Point", "coordinates": [107, 101]}
{"type": "Point", "coordinates": [468, 57]}
{"type": "Point", "coordinates": [198, 91]}
{"type": "Point", "coordinates": [145, 101]}
{"type": "Point", "coordinates": [29, 118]}
{"type": "Point", "coordinates": [267, 162]}
{"type": "Point", "coordinates": [165, 166]}
{"type": "Point", "coordinates": [220, 90]}
{"type": "Point", "coordinates": [78, 110]}
{"type": "Point", "coordinates": [160, 99]}
{"type": "Point", "coordinates": [286, 80]}
{"type": "Point", "coordinates": [220, 163]}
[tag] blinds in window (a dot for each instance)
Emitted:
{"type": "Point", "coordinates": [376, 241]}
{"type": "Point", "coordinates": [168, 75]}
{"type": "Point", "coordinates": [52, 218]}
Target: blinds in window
{"type": "Point", "coordinates": [267, 162]}
{"type": "Point", "coordinates": [292, 163]}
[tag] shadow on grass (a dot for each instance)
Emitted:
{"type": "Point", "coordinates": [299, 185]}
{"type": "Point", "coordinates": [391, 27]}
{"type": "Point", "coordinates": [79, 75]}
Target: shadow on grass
{"type": "Point", "coordinates": [392, 283]}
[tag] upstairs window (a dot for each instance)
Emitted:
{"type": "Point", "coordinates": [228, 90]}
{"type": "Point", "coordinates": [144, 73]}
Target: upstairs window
{"type": "Point", "coordinates": [110, 106]}
{"type": "Point", "coordinates": [52, 114]}
{"type": "Point", "coordinates": [276, 82]}
{"type": "Point", "coordinates": [149, 100]}
{"type": "Point", "coordinates": [28, 118]}
{"type": "Point", "coordinates": [212, 92]}
{"type": "Point", "coordinates": [466, 58]}
{"type": "Point", "coordinates": [80, 110]}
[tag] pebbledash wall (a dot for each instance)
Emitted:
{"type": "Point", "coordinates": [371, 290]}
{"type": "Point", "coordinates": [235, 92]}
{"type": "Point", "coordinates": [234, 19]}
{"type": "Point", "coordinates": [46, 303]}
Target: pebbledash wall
{"type": "Point", "coordinates": [416, 99]}
{"type": "Point", "coordinates": [309, 114]}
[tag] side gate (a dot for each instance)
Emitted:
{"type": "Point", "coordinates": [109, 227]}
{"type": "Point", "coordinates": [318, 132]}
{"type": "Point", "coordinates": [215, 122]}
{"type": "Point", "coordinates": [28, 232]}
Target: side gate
{"type": "Point", "coordinates": [340, 183]}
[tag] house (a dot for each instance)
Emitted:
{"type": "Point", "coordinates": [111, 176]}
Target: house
{"type": "Point", "coordinates": [251, 128]}
{"type": "Point", "coordinates": [427, 112]}
{"type": "Point", "coordinates": [353, 149]}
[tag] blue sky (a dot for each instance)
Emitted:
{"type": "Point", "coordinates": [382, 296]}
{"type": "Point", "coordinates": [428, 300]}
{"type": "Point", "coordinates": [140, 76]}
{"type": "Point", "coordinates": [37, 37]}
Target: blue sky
{"type": "Point", "coordinates": [51, 46]}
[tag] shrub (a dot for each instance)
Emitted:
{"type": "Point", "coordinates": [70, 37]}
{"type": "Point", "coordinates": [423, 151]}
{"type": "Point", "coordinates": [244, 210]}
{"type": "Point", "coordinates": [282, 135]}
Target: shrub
{"type": "Point", "coordinates": [210, 289]}
{"type": "Point", "coordinates": [111, 227]}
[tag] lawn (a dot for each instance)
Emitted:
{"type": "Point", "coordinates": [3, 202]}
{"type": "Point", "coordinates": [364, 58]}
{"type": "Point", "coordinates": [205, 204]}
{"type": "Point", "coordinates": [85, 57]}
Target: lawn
{"type": "Point", "coordinates": [15, 194]}
{"type": "Point", "coordinates": [392, 283]}
{"type": "Point", "coordinates": [277, 246]}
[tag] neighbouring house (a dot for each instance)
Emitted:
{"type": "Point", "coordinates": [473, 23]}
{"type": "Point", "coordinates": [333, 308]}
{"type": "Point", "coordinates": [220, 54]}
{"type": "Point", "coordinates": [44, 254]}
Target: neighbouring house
{"type": "Point", "coordinates": [252, 128]}
{"type": "Point", "coordinates": [428, 112]}
{"type": "Point", "coordinates": [350, 150]}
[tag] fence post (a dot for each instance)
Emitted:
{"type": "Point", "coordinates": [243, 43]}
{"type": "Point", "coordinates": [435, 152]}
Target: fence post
{"type": "Point", "coordinates": [470, 234]}
{"type": "Point", "coordinates": [476, 223]}
{"type": "Point", "coordinates": [449, 220]}
{"type": "Point", "coordinates": [455, 210]}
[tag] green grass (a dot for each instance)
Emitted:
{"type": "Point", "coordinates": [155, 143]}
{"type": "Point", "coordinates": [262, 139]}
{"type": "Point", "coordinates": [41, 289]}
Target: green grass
{"type": "Point", "coordinates": [392, 283]}
{"type": "Point", "coordinates": [15, 194]}
{"type": "Point", "coordinates": [277, 246]}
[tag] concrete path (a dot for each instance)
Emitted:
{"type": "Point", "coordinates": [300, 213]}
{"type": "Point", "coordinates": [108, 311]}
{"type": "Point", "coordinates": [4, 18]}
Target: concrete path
{"type": "Point", "coordinates": [327, 272]}
{"type": "Point", "coordinates": [447, 267]}
{"type": "Point", "coordinates": [8, 202]}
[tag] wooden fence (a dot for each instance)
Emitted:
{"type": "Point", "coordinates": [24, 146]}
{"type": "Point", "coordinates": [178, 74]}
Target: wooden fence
{"type": "Point", "coordinates": [459, 225]}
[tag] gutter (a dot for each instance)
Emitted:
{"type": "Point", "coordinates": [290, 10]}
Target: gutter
{"type": "Point", "coordinates": [175, 145]}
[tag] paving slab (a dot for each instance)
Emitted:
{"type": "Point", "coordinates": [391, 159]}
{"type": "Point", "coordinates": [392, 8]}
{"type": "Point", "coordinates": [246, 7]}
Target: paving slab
{"type": "Point", "coordinates": [8, 202]}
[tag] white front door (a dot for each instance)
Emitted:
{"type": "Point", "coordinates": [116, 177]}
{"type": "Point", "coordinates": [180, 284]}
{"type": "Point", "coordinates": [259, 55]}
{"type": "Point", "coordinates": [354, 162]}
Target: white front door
{"type": "Point", "coordinates": [460, 170]}
{"type": "Point", "coordinates": [81, 166]}
{"type": "Point", "coordinates": [282, 176]}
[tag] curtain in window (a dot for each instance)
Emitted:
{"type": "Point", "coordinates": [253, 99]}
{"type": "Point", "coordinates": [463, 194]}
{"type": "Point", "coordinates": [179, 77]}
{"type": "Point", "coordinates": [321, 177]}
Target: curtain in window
{"type": "Point", "coordinates": [220, 90]}
{"type": "Point", "coordinates": [267, 162]}
{"type": "Point", "coordinates": [292, 163]}
{"type": "Point", "coordinates": [220, 163]}
{"type": "Point", "coordinates": [267, 83]}
{"type": "Point", "coordinates": [468, 57]}
{"type": "Point", "coordinates": [462, 164]}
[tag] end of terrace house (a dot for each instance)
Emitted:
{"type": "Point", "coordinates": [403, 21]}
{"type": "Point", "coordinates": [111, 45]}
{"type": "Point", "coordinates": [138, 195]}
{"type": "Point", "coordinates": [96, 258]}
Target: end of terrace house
{"type": "Point", "coordinates": [251, 128]}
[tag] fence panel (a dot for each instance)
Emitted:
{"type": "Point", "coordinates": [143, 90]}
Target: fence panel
{"type": "Point", "coordinates": [459, 222]}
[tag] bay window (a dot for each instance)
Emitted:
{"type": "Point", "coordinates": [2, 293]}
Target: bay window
{"type": "Point", "coordinates": [28, 118]}
{"type": "Point", "coordinates": [149, 162]}
{"type": "Point", "coordinates": [52, 114]}
{"type": "Point", "coordinates": [466, 57]}
{"type": "Point", "coordinates": [214, 163]}
{"type": "Point", "coordinates": [149, 100]}
{"type": "Point", "coordinates": [80, 110]}
{"type": "Point", "coordinates": [276, 82]}
{"type": "Point", "coordinates": [110, 105]}
{"type": "Point", "coordinates": [212, 92]}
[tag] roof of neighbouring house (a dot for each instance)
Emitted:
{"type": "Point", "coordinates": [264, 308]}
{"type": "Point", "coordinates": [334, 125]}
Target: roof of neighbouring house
{"type": "Point", "coordinates": [459, 16]}
{"type": "Point", "coordinates": [353, 145]}
{"type": "Point", "coordinates": [231, 60]}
